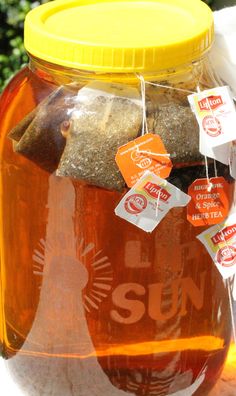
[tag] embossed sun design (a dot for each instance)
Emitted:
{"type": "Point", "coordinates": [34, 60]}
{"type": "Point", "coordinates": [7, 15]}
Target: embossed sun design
{"type": "Point", "coordinates": [145, 383]}
{"type": "Point", "coordinates": [96, 269]}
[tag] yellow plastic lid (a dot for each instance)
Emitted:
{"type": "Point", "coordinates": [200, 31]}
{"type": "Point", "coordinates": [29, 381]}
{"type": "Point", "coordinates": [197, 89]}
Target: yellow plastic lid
{"type": "Point", "coordinates": [119, 35]}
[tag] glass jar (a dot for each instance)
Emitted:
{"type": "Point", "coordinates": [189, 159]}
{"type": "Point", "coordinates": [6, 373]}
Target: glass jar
{"type": "Point", "coordinates": [90, 303]}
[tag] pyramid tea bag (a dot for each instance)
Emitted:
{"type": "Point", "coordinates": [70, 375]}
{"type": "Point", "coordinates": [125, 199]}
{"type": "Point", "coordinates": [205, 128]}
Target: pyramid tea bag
{"type": "Point", "coordinates": [169, 115]}
{"type": "Point", "coordinates": [107, 117]}
{"type": "Point", "coordinates": [18, 131]}
{"type": "Point", "coordinates": [38, 136]}
{"type": "Point", "coordinates": [180, 132]}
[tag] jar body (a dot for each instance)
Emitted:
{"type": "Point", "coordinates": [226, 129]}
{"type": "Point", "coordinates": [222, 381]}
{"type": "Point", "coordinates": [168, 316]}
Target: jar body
{"type": "Point", "coordinates": [90, 303]}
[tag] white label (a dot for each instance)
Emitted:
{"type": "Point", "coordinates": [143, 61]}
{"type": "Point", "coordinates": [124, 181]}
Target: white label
{"type": "Point", "coordinates": [147, 203]}
{"type": "Point", "coordinates": [216, 115]}
{"type": "Point", "coordinates": [220, 242]}
{"type": "Point", "coordinates": [219, 153]}
{"type": "Point", "coordinates": [232, 164]}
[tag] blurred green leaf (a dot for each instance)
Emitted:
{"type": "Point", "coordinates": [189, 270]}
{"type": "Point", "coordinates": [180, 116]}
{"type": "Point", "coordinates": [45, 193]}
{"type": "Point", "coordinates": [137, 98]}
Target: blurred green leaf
{"type": "Point", "coordinates": [218, 4]}
{"type": "Point", "coordinates": [12, 52]}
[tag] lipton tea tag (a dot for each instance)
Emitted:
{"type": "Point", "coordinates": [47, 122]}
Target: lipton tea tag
{"type": "Point", "coordinates": [232, 164]}
{"type": "Point", "coordinates": [148, 202]}
{"type": "Point", "coordinates": [144, 153]}
{"type": "Point", "coordinates": [220, 242]}
{"type": "Point", "coordinates": [210, 202]}
{"type": "Point", "coordinates": [216, 115]}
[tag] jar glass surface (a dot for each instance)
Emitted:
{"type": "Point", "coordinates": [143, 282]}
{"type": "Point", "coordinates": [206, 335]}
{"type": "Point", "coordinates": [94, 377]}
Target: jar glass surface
{"type": "Point", "coordinates": [90, 303]}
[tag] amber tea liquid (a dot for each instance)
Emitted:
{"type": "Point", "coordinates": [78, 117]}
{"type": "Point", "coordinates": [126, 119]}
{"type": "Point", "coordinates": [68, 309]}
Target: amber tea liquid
{"type": "Point", "coordinates": [91, 304]}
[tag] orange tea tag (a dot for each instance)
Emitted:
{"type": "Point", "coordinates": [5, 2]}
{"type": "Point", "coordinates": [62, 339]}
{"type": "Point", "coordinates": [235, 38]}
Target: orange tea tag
{"type": "Point", "coordinates": [210, 201]}
{"type": "Point", "coordinates": [144, 153]}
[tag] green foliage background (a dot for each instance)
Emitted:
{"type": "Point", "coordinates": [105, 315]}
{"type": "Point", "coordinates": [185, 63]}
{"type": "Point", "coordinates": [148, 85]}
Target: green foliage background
{"type": "Point", "coordinates": [12, 53]}
{"type": "Point", "coordinates": [12, 15]}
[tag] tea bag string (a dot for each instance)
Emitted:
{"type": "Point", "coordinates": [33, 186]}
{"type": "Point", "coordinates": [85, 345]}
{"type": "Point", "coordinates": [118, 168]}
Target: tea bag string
{"type": "Point", "coordinates": [213, 115]}
{"type": "Point", "coordinates": [232, 153]}
{"type": "Point", "coordinates": [145, 131]}
{"type": "Point", "coordinates": [191, 92]}
{"type": "Point", "coordinates": [207, 100]}
{"type": "Point", "coordinates": [144, 121]}
{"type": "Point", "coordinates": [143, 96]}
{"type": "Point", "coordinates": [206, 160]}
{"type": "Point", "coordinates": [157, 202]}
{"type": "Point", "coordinates": [215, 168]}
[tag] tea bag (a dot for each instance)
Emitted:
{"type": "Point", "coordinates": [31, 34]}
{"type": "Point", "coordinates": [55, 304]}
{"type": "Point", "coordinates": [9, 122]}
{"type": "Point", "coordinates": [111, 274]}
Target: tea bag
{"type": "Point", "coordinates": [169, 115]}
{"type": "Point", "coordinates": [38, 136]}
{"type": "Point", "coordinates": [156, 98]}
{"type": "Point", "coordinates": [107, 116]}
{"type": "Point", "coordinates": [18, 131]}
{"type": "Point", "coordinates": [172, 119]}
{"type": "Point", "coordinates": [179, 131]}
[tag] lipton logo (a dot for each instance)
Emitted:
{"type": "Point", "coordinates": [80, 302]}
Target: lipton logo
{"type": "Point", "coordinates": [227, 256]}
{"type": "Point", "coordinates": [210, 103]}
{"type": "Point", "coordinates": [135, 204]}
{"type": "Point", "coordinates": [224, 235]}
{"type": "Point", "coordinates": [156, 191]}
{"type": "Point", "coordinates": [212, 126]}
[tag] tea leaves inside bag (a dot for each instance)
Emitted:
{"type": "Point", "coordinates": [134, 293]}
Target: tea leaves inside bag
{"type": "Point", "coordinates": [103, 121]}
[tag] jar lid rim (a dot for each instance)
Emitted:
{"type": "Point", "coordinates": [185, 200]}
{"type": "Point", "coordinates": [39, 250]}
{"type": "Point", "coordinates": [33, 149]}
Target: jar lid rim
{"type": "Point", "coordinates": [119, 35]}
